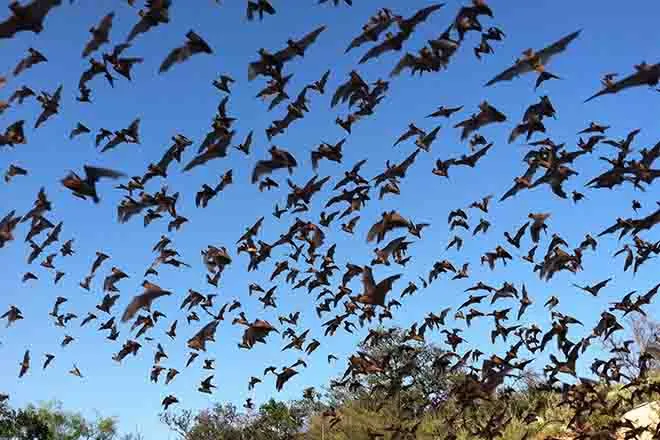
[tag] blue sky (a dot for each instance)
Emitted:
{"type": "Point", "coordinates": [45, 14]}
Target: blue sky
{"type": "Point", "coordinates": [184, 101]}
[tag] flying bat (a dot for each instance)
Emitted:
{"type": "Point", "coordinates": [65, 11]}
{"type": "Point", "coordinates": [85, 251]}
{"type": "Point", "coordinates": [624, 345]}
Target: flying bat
{"type": "Point", "coordinates": [646, 74]}
{"type": "Point", "coordinates": [194, 45]}
{"type": "Point", "coordinates": [534, 61]}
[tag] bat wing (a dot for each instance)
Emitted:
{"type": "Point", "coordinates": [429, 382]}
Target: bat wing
{"type": "Point", "coordinates": [557, 47]}
{"type": "Point", "coordinates": [481, 153]}
{"type": "Point", "coordinates": [261, 168]}
{"type": "Point", "coordinates": [118, 49]}
{"type": "Point", "coordinates": [636, 79]}
{"type": "Point", "coordinates": [468, 126]}
{"type": "Point", "coordinates": [9, 27]}
{"type": "Point", "coordinates": [86, 76]}
{"type": "Point", "coordinates": [140, 27]}
{"type": "Point", "coordinates": [104, 28]}
{"type": "Point", "coordinates": [288, 119]}
{"type": "Point", "coordinates": [112, 144]}
{"type": "Point", "coordinates": [268, 8]}
{"type": "Point", "coordinates": [43, 117]}
{"type": "Point", "coordinates": [306, 41]}
{"type": "Point", "coordinates": [488, 117]}
{"type": "Point", "coordinates": [310, 38]}
{"type": "Point", "coordinates": [517, 131]}
{"type": "Point", "coordinates": [324, 78]}
{"type": "Point", "coordinates": [368, 279]}
{"type": "Point", "coordinates": [255, 69]}
{"type": "Point", "coordinates": [90, 47]}
{"type": "Point", "coordinates": [342, 91]}
{"type": "Point", "coordinates": [386, 284]}
{"type": "Point", "coordinates": [38, 9]}
{"type": "Point", "coordinates": [178, 55]}
{"type": "Point", "coordinates": [201, 159]}
{"type": "Point", "coordinates": [651, 156]}
{"type": "Point", "coordinates": [316, 186]}
{"type": "Point", "coordinates": [385, 46]}
{"type": "Point", "coordinates": [132, 308]}
{"type": "Point", "coordinates": [106, 23]}
{"type": "Point", "coordinates": [374, 231]}
{"type": "Point", "coordinates": [423, 14]}
{"type": "Point", "coordinates": [197, 44]}
{"type": "Point", "coordinates": [134, 128]}
{"type": "Point", "coordinates": [369, 35]}
{"type": "Point", "coordinates": [58, 94]}
{"type": "Point", "coordinates": [409, 160]}
{"type": "Point", "coordinates": [358, 165]}
{"type": "Point", "coordinates": [511, 192]}
{"type": "Point", "coordinates": [393, 245]}
{"type": "Point", "coordinates": [94, 173]}
{"type": "Point", "coordinates": [512, 72]}
{"type": "Point", "coordinates": [25, 63]}
{"type": "Point", "coordinates": [408, 60]}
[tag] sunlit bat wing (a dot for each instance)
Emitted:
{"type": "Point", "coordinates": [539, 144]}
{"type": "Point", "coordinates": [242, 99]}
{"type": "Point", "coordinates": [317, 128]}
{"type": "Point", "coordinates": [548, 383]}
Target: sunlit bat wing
{"type": "Point", "coordinates": [524, 66]}
{"type": "Point", "coordinates": [557, 47]}
{"type": "Point", "coordinates": [636, 79]}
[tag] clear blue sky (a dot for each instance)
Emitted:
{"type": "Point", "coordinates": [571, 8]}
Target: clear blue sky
{"type": "Point", "coordinates": [184, 101]}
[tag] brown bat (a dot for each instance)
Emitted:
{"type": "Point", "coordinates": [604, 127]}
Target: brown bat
{"type": "Point", "coordinates": [406, 26]}
{"type": "Point", "coordinates": [194, 45]}
{"type": "Point", "coordinates": [13, 171]}
{"type": "Point", "coordinates": [373, 293]}
{"type": "Point", "coordinates": [214, 151]}
{"type": "Point", "coordinates": [27, 18]}
{"type": "Point", "coordinates": [372, 30]}
{"type": "Point", "coordinates": [121, 65]}
{"type": "Point", "coordinates": [279, 159]}
{"type": "Point", "coordinates": [95, 68]}
{"type": "Point", "coordinates": [645, 75]}
{"type": "Point", "coordinates": [472, 159]}
{"type": "Point", "coordinates": [34, 57]}
{"type": "Point", "coordinates": [50, 105]}
{"type": "Point", "coordinates": [144, 300]}
{"type": "Point", "coordinates": [487, 115]}
{"type": "Point", "coordinates": [260, 7]}
{"type": "Point", "coordinates": [157, 12]}
{"type": "Point", "coordinates": [78, 130]}
{"type": "Point", "coordinates": [21, 94]}
{"type": "Point", "coordinates": [445, 112]}
{"type": "Point", "coordinates": [86, 187]}
{"type": "Point", "coordinates": [534, 61]}
{"type": "Point", "coordinates": [100, 35]}
{"type": "Point", "coordinates": [294, 48]}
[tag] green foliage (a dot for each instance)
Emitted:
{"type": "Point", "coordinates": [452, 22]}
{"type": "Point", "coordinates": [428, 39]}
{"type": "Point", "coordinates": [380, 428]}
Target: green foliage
{"type": "Point", "coordinates": [415, 397]}
{"type": "Point", "coordinates": [49, 421]}
{"type": "Point", "coordinates": [22, 424]}
{"type": "Point", "coordinates": [222, 422]}
{"type": "Point", "coordinates": [276, 421]}
{"type": "Point", "coordinates": [273, 421]}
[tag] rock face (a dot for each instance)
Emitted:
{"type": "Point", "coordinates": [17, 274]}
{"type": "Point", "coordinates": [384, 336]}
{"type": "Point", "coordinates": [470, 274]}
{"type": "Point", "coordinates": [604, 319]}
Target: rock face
{"type": "Point", "coordinates": [647, 414]}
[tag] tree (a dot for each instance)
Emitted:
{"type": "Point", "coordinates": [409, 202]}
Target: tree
{"type": "Point", "coordinates": [643, 330]}
{"type": "Point", "coordinates": [49, 421]}
{"type": "Point", "coordinates": [66, 425]}
{"type": "Point", "coordinates": [414, 377]}
{"type": "Point", "coordinates": [277, 421]}
{"type": "Point", "coordinates": [22, 425]}
{"type": "Point", "coordinates": [221, 422]}
{"type": "Point", "coordinates": [274, 421]}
